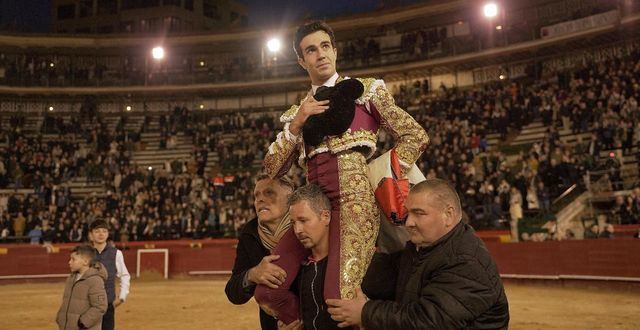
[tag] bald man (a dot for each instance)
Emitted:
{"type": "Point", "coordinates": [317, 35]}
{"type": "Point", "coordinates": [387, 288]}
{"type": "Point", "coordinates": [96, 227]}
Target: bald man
{"type": "Point", "coordinates": [443, 279]}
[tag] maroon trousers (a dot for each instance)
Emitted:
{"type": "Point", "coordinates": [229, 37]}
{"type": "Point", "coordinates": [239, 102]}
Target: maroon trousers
{"type": "Point", "coordinates": [323, 171]}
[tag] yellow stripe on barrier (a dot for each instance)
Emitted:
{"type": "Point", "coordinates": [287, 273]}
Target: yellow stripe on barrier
{"type": "Point", "coordinates": [149, 246]}
{"type": "Point", "coordinates": [4, 250]}
{"type": "Point", "coordinates": [505, 238]}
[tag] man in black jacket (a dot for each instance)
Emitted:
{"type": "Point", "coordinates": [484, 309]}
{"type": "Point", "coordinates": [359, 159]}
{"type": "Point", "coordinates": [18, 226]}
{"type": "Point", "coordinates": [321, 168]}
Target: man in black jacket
{"type": "Point", "coordinates": [443, 279]}
{"type": "Point", "coordinates": [259, 236]}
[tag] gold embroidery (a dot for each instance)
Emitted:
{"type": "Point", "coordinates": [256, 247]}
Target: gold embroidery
{"type": "Point", "coordinates": [411, 138]}
{"type": "Point", "coordinates": [368, 90]}
{"type": "Point", "coordinates": [302, 161]}
{"type": "Point", "coordinates": [288, 115]}
{"type": "Point", "coordinates": [346, 141]}
{"type": "Point", "coordinates": [359, 221]}
{"type": "Point", "coordinates": [281, 152]}
{"type": "Point", "coordinates": [280, 156]}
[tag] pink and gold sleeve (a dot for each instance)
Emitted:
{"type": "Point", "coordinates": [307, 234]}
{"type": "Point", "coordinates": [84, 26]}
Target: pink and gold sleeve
{"type": "Point", "coordinates": [411, 138]}
{"type": "Point", "coordinates": [282, 153]}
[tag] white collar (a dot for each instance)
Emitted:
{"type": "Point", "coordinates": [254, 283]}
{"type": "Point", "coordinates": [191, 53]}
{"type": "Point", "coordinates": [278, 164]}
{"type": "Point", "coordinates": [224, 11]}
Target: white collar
{"type": "Point", "coordinates": [329, 83]}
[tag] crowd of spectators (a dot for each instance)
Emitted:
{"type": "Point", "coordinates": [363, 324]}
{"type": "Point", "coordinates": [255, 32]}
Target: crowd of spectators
{"type": "Point", "coordinates": [492, 188]}
{"type": "Point", "coordinates": [180, 200]}
{"type": "Point", "coordinates": [599, 99]}
{"type": "Point", "coordinates": [30, 161]}
{"type": "Point", "coordinates": [626, 209]}
{"type": "Point", "coordinates": [60, 70]}
{"type": "Point", "coordinates": [146, 205]}
{"type": "Point", "coordinates": [184, 199]}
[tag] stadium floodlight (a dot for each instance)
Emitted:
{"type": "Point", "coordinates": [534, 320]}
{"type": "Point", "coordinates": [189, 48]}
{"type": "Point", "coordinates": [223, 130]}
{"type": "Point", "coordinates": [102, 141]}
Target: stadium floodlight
{"type": "Point", "coordinates": [273, 45]}
{"type": "Point", "coordinates": [201, 106]}
{"type": "Point", "coordinates": [157, 53]}
{"type": "Point", "coordinates": [50, 108]}
{"type": "Point", "coordinates": [128, 108]}
{"type": "Point", "coordinates": [490, 10]}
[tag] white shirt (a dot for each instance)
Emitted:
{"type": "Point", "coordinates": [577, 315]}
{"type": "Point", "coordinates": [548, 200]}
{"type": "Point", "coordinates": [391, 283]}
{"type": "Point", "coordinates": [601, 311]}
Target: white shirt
{"type": "Point", "coordinates": [329, 83]}
{"type": "Point", "coordinates": [123, 274]}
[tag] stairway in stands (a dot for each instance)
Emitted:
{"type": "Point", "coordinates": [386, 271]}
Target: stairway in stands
{"type": "Point", "coordinates": [572, 214]}
{"type": "Point", "coordinates": [536, 132]}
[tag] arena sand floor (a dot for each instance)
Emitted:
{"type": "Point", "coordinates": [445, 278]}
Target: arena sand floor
{"type": "Point", "coordinates": [202, 304]}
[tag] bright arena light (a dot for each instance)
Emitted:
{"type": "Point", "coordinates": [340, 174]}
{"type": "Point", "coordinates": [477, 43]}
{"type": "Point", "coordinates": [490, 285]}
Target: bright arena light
{"type": "Point", "coordinates": [273, 45]}
{"type": "Point", "coordinates": [490, 10]}
{"type": "Point", "coordinates": [157, 53]}
{"type": "Point", "coordinates": [128, 108]}
{"type": "Point", "coordinates": [50, 108]}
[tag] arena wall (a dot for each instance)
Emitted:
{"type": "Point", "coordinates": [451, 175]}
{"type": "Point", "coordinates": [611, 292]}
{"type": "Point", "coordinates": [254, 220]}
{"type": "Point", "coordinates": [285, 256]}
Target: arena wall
{"type": "Point", "coordinates": [615, 259]}
{"type": "Point", "coordinates": [606, 258]}
{"type": "Point", "coordinates": [29, 261]}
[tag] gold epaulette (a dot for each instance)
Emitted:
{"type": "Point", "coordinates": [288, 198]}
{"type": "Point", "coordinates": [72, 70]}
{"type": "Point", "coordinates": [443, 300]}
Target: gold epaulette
{"type": "Point", "coordinates": [370, 86]}
{"type": "Point", "coordinates": [288, 115]}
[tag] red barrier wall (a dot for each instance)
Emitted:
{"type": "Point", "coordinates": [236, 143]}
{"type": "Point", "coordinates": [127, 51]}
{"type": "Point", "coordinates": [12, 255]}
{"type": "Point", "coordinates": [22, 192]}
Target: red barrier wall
{"type": "Point", "coordinates": [616, 257]}
{"type": "Point", "coordinates": [205, 255]}
{"type": "Point", "coordinates": [602, 257]}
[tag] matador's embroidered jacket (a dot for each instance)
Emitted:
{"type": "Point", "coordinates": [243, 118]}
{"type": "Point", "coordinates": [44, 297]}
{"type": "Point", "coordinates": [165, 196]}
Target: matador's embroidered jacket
{"type": "Point", "coordinates": [374, 109]}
